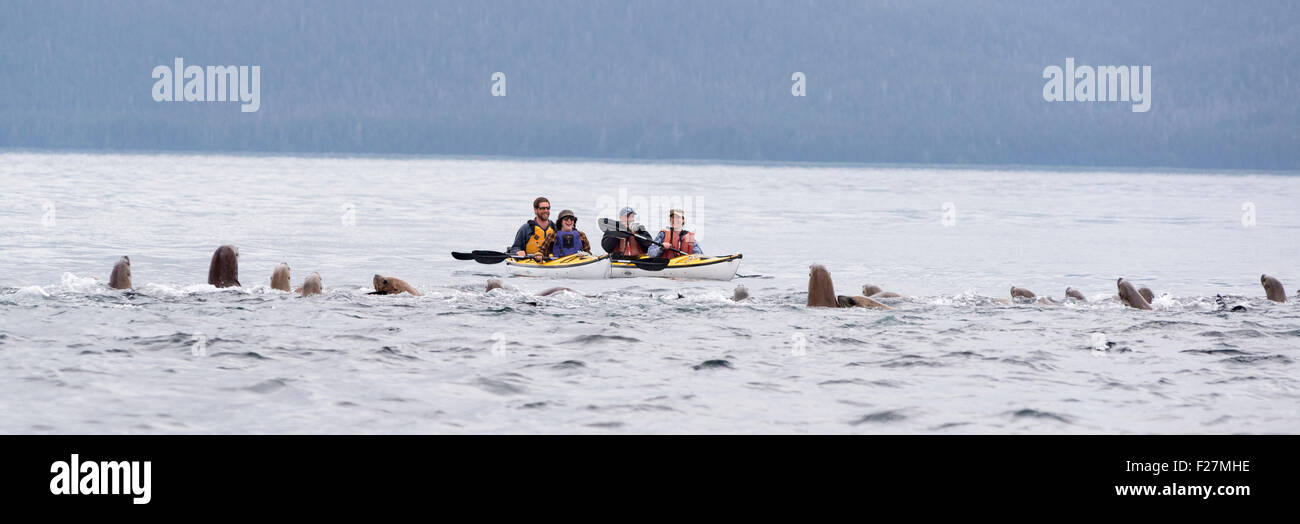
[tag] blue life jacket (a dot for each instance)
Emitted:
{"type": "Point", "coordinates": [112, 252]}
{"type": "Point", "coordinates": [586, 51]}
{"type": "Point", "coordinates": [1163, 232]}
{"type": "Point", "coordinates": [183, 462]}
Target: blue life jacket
{"type": "Point", "coordinates": [566, 243]}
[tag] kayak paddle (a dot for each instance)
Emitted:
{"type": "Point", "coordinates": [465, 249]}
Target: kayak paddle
{"type": "Point", "coordinates": [610, 225]}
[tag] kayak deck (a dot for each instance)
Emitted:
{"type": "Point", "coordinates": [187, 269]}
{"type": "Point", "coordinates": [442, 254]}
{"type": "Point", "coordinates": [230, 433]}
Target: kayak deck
{"type": "Point", "coordinates": [573, 266]}
{"type": "Point", "coordinates": [698, 267]}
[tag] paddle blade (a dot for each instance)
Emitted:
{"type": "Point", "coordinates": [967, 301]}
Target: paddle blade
{"type": "Point", "coordinates": [609, 224]}
{"type": "Point", "coordinates": [462, 256]}
{"type": "Point", "coordinates": [650, 264]}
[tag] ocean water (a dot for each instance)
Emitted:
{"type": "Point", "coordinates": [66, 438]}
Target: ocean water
{"type": "Point", "coordinates": [642, 355]}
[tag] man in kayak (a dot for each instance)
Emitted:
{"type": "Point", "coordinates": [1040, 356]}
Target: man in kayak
{"type": "Point", "coordinates": [528, 240]}
{"type": "Point", "coordinates": [630, 246]}
{"type": "Point", "coordinates": [675, 237]}
{"type": "Point", "coordinates": [567, 241]}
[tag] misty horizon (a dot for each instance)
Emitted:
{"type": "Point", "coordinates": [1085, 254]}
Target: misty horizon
{"type": "Point", "coordinates": [932, 83]}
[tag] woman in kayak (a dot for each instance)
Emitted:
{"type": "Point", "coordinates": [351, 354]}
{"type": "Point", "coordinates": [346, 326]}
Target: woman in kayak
{"type": "Point", "coordinates": [676, 237]}
{"type": "Point", "coordinates": [567, 241]}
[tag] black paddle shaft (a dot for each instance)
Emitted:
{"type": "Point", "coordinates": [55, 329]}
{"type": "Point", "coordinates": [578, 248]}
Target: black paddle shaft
{"type": "Point", "coordinates": [613, 226]}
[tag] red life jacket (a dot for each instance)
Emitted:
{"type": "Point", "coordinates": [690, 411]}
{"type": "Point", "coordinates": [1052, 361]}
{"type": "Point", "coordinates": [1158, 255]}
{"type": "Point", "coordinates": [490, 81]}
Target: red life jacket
{"type": "Point", "coordinates": [629, 247]}
{"type": "Point", "coordinates": [683, 241]}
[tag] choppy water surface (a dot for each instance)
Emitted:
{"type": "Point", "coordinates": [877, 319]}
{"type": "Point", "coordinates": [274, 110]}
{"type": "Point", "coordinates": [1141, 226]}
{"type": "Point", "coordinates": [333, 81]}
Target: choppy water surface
{"type": "Point", "coordinates": [176, 355]}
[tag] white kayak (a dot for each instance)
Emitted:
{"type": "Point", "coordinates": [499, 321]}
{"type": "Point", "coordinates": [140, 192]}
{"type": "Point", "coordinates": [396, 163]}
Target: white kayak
{"type": "Point", "coordinates": [698, 267]}
{"type": "Point", "coordinates": [573, 266]}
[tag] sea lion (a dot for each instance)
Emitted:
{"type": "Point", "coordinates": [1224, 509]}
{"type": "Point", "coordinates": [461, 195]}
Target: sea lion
{"type": "Point", "coordinates": [495, 283]}
{"type": "Point", "coordinates": [874, 291]}
{"type": "Point", "coordinates": [392, 286]}
{"type": "Point", "coordinates": [224, 269]}
{"type": "Point", "coordinates": [280, 277]}
{"type": "Point", "coordinates": [1075, 294]}
{"type": "Point", "coordinates": [858, 301]}
{"type": "Point", "coordinates": [1130, 296]}
{"type": "Point", "coordinates": [1272, 288]}
{"type": "Point", "coordinates": [311, 286]}
{"type": "Point", "coordinates": [741, 293]}
{"type": "Point", "coordinates": [121, 276]}
{"type": "Point", "coordinates": [1022, 295]}
{"type": "Point", "coordinates": [821, 292]}
{"type": "Point", "coordinates": [1020, 292]}
{"type": "Point", "coordinates": [1147, 294]}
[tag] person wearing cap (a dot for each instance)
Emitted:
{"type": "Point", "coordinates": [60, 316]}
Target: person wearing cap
{"type": "Point", "coordinates": [567, 241]}
{"type": "Point", "coordinates": [628, 246]}
{"type": "Point", "coordinates": [529, 237]}
{"type": "Point", "coordinates": [676, 237]}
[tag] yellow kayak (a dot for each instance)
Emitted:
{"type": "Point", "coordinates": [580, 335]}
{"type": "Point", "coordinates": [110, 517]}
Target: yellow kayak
{"type": "Point", "coordinates": [573, 266]}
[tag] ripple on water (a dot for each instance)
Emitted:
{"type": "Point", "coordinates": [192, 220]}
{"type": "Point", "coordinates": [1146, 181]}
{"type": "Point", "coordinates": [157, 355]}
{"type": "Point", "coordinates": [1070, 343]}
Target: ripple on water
{"type": "Point", "coordinates": [909, 361]}
{"type": "Point", "coordinates": [498, 387]}
{"type": "Point", "coordinates": [172, 341]}
{"type": "Point", "coordinates": [598, 338]}
{"type": "Point", "coordinates": [268, 386]}
{"type": "Point", "coordinates": [1040, 415]}
{"type": "Point", "coordinates": [861, 382]}
{"type": "Point", "coordinates": [964, 355]}
{"type": "Point", "coordinates": [395, 352]}
{"type": "Point", "coordinates": [713, 364]}
{"type": "Point", "coordinates": [253, 355]}
{"type": "Point", "coordinates": [1230, 380]}
{"type": "Point", "coordinates": [1215, 351]}
{"type": "Point", "coordinates": [569, 364]}
{"type": "Point", "coordinates": [1257, 359]}
{"type": "Point", "coordinates": [880, 417]}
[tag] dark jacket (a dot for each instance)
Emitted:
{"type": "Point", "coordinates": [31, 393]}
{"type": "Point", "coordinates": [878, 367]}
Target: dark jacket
{"type": "Point", "coordinates": [610, 243]}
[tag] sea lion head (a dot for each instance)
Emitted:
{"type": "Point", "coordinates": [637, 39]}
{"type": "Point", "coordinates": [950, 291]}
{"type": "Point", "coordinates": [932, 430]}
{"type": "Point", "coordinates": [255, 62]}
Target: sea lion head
{"type": "Point", "coordinates": [224, 269]}
{"type": "Point", "coordinates": [1075, 294]}
{"type": "Point", "coordinates": [312, 286]}
{"type": "Point", "coordinates": [280, 277]}
{"type": "Point", "coordinates": [1020, 292]}
{"type": "Point", "coordinates": [121, 276]}
{"type": "Point", "coordinates": [821, 291]}
{"type": "Point", "coordinates": [1273, 288]}
{"type": "Point", "coordinates": [381, 284]}
{"type": "Point", "coordinates": [392, 286]}
{"type": "Point", "coordinates": [1129, 295]}
{"type": "Point", "coordinates": [494, 283]}
{"type": "Point", "coordinates": [871, 289]}
{"type": "Point", "coordinates": [741, 293]}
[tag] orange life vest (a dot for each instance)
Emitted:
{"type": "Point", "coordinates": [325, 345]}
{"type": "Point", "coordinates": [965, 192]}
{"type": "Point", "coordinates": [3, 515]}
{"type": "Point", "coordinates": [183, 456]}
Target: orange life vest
{"type": "Point", "coordinates": [534, 245]}
{"type": "Point", "coordinates": [683, 241]}
{"type": "Point", "coordinates": [629, 247]}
